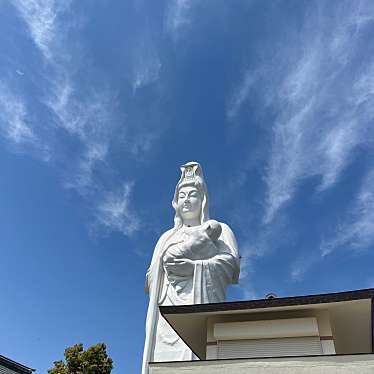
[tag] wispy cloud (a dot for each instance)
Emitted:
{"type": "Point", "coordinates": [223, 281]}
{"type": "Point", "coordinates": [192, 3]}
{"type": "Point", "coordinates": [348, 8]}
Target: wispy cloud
{"type": "Point", "coordinates": [85, 117]}
{"type": "Point", "coordinates": [322, 97]}
{"type": "Point", "coordinates": [82, 179]}
{"type": "Point", "coordinates": [255, 244]}
{"type": "Point", "coordinates": [300, 266]}
{"type": "Point", "coordinates": [16, 125]}
{"type": "Point", "coordinates": [356, 232]}
{"type": "Point", "coordinates": [89, 119]}
{"type": "Point", "coordinates": [178, 16]}
{"type": "Point", "coordinates": [114, 211]}
{"type": "Point", "coordinates": [247, 276]}
{"type": "Point", "coordinates": [41, 16]}
{"type": "Point", "coordinates": [241, 93]}
{"type": "Point", "coordinates": [84, 114]}
{"type": "Point", "coordinates": [325, 110]}
{"type": "Point", "coordinates": [147, 64]}
{"type": "Point", "coordinates": [13, 118]}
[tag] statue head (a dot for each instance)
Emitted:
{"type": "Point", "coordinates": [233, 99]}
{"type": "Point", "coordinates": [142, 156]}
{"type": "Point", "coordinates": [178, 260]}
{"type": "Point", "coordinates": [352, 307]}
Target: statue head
{"type": "Point", "coordinates": [191, 195]}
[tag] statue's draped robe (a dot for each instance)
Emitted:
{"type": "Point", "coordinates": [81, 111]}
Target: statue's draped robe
{"type": "Point", "coordinates": [207, 284]}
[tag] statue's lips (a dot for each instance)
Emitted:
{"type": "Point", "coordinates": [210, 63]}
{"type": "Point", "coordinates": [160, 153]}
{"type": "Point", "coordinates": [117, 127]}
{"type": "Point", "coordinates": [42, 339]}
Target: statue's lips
{"type": "Point", "coordinates": [186, 206]}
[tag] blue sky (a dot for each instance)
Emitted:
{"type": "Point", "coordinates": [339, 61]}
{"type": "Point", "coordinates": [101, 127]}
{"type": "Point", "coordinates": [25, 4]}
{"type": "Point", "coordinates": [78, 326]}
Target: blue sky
{"type": "Point", "coordinates": [101, 101]}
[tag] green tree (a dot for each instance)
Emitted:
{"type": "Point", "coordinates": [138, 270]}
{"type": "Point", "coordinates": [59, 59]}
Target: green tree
{"type": "Point", "coordinates": [78, 361]}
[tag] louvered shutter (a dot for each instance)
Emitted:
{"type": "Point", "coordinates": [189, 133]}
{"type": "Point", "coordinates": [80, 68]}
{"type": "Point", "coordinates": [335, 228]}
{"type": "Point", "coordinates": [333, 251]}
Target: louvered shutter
{"type": "Point", "coordinates": [247, 348]}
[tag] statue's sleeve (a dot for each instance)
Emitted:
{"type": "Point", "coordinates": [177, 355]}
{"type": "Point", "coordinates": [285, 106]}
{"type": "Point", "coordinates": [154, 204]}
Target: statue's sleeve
{"type": "Point", "coordinates": [155, 262]}
{"type": "Point", "coordinates": [231, 245]}
{"type": "Point", "coordinates": [212, 276]}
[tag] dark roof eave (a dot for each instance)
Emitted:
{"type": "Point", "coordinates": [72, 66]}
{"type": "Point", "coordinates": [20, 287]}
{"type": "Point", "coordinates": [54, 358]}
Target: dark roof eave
{"type": "Point", "coordinates": [13, 365]}
{"type": "Point", "coordinates": [270, 303]}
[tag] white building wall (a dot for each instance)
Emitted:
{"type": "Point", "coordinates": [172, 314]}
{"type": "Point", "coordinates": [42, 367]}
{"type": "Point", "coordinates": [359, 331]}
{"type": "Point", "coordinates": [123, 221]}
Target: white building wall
{"type": "Point", "coordinates": [268, 329]}
{"type": "Point", "coordinates": [349, 364]}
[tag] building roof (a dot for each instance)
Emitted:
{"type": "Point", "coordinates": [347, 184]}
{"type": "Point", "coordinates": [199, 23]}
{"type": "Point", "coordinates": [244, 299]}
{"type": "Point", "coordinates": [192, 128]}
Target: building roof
{"type": "Point", "coordinates": [270, 303]}
{"type": "Point", "coordinates": [351, 313]}
{"type": "Point", "coordinates": [13, 366]}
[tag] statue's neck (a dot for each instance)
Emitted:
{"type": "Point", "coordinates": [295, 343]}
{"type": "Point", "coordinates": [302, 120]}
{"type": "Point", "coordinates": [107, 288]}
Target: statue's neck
{"type": "Point", "coordinates": [191, 222]}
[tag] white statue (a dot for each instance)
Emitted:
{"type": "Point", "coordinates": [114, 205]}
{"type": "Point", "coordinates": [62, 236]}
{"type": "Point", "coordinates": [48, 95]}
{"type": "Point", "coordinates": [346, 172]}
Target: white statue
{"type": "Point", "coordinates": [192, 264]}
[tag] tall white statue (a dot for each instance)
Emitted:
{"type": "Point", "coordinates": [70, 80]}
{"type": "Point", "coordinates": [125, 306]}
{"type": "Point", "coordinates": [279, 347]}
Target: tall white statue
{"type": "Point", "coordinates": [192, 263]}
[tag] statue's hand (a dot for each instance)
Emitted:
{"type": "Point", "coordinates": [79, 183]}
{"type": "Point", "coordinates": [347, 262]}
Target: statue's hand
{"type": "Point", "coordinates": [182, 267]}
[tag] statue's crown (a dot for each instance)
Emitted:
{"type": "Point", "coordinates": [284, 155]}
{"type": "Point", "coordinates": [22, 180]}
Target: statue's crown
{"type": "Point", "coordinates": [190, 171]}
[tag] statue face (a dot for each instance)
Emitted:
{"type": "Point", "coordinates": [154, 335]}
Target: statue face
{"type": "Point", "coordinates": [189, 202]}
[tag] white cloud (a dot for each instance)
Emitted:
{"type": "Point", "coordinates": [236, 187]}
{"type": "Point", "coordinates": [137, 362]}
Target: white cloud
{"type": "Point", "coordinates": [114, 211]}
{"type": "Point", "coordinates": [246, 283]}
{"type": "Point", "coordinates": [256, 244]}
{"type": "Point", "coordinates": [300, 266]}
{"type": "Point", "coordinates": [297, 271]}
{"type": "Point", "coordinates": [178, 15]}
{"type": "Point", "coordinates": [322, 97]}
{"type": "Point", "coordinates": [147, 64]}
{"type": "Point", "coordinates": [356, 232]}
{"type": "Point", "coordinates": [146, 73]}
{"type": "Point", "coordinates": [324, 106]}
{"type": "Point", "coordinates": [90, 119]}
{"type": "Point", "coordinates": [41, 16]}
{"type": "Point", "coordinates": [16, 125]}
{"type": "Point", "coordinates": [241, 94]}
{"type": "Point", "coordinates": [13, 117]}
{"type": "Point", "coordinates": [85, 115]}
{"type": "Point", "coordinates": [82, 179]}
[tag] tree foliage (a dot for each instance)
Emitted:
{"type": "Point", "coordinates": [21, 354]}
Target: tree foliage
{"type": "Point", "coordinates": [78, 361]}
